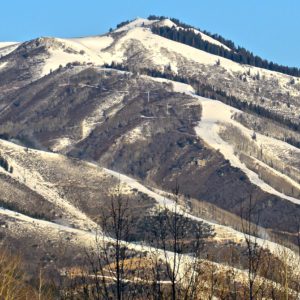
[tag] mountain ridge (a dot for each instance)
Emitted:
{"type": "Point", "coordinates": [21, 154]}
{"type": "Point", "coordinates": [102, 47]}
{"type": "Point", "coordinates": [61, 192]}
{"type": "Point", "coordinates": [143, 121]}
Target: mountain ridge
{"type": "Point", "coordinates": [133, 115]}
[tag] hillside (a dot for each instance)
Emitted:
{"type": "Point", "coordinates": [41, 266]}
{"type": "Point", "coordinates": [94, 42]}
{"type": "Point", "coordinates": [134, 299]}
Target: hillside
{"type": "Point", "coordinates": [160, 127]}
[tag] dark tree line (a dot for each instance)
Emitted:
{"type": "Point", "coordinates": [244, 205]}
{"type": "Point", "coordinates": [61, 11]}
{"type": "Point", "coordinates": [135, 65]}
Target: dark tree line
{"type": "Point", "coordinates": [16, 208]}
{"type": "Point", "coordinates": [123, 23]}
{"type": "Point", "coordinates": [237, 54]}
{"type": "Point", "coordinates": [4, 164]}
{"type": "Point", "coordinates": [293, 141]}
{"type": "Point", "coordinates": [230, 44]}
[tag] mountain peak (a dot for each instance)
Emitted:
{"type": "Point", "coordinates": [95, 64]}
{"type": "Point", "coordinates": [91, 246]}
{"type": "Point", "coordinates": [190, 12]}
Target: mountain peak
{"type": "Point", "coordinates": [138, 22]}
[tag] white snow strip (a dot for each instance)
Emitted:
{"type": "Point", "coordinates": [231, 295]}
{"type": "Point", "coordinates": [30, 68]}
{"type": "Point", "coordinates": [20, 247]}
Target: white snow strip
{"type": "Point", "coordinates": [221, 230]}
{"type": "Point", "coordinates": [7, 47]}
{"type": "Point", "coordinates": [210, 39]}
{"type": "Point", "coordinates": [135, 184]}
{"type": "Point", "coordinates": [88, 239]}
{"type": "Point", "coordinates": [42, 223]}
{"type": "Point", "coordinates": [178, 87]}
{"type": "Point", "coordinates": [7, 44]}
{"type": "Point", "coordinates": [25, 174]}
{"type": "Point", "coordinates": [91, 239]}
{"type": "Point", "coordinates": [214, 112]}
{"type": "Point", "coordinates": [2, 65]}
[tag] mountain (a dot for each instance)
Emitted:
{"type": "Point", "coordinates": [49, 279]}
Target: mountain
{"type": "Point", "coordinates": [139, 112]}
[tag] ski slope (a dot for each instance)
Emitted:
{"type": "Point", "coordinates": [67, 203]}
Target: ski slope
{"type": "Point", "coordinates": [215, 113]}
{"type": "Point", "coordinates": [138, 22]}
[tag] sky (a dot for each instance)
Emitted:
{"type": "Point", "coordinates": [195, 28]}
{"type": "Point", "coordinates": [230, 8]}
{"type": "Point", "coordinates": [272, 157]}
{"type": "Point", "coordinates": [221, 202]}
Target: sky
{"type": "Point", "coordinates": [268, 28]}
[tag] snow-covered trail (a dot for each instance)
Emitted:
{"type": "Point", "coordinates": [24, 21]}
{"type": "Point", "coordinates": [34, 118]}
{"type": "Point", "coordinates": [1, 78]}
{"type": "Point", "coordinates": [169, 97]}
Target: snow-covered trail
{"type": "Point", "coordinates": [220, 230]}
{"type": "Point", "coordinates": [43, 224]}
{"type": "Point", "coordinates": [36, 182]}
{"type": "Point", "coordinates": [133, 183]}
{"type": "Point", "coordinates": [89, 240]}
{"type": "Point", "coordinates": [21, 225]}
{"type": "Point", "coordinates": [215, 112]}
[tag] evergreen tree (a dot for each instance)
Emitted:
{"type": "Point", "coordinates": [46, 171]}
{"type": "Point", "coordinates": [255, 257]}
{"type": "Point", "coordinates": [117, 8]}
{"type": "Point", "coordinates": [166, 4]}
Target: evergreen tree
{"type": "Point", "coordinates": [240, 55]}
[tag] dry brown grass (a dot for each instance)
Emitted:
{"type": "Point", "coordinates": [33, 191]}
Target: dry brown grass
{"type": "Point", "coordinates": [13, 284]}
{"type": "Point", "coordinates": [12, 281]}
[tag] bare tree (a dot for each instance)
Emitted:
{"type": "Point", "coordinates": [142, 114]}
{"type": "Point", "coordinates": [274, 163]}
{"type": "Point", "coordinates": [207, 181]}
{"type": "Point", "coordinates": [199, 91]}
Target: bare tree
{"type": "Point", "coordinates": [13, 284]}
{"type": "Point", "coordinates": [115, 266]}
{"type": "Point", "coordinates": [178, 241]}
{"type": "Point", "coordinates": [250, 219]}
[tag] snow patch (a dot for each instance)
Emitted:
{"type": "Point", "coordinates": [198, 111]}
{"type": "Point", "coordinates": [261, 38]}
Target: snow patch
{"type": "Point", "coordinates": [178, 87]}
{"type": "Point", "coordinates": [2, 65]}
{"type": "Point", "coordinates": [7, 47]}
{"type": "Point", "coordinates": [61, 144]}
{"type": "Point", "coordinates": [69, 52]}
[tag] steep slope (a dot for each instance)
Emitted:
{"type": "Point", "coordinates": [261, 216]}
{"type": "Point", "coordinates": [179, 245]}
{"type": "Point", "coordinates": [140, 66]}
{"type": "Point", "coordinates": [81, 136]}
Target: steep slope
{"type": "Point", "coordinates": [50, 186]}
{"type": "Point", "coordinates": [59, 247]}
{"type": "Point", "coordinates": [137, 48]}
{"type": "Point", "coordinates": [7, 47]}
{"type": "Point", "coordinates": [32, 60]}
{"type": "Point", "coordinates": [106, 116]}
{"type": "Point", "coordinates": [82, 117]}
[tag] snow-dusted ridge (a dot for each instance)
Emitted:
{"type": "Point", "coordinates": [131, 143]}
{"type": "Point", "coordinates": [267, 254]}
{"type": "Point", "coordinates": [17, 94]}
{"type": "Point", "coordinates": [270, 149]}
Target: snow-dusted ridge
{"type": "Point", "coordinates": [99, 50]}
{"type": "Point", "coordinates": [140, 22]}
{"type": "Point", "coordinates": [7, 47]}
{"type": "Point", "coordinates": [7, 44]}
{"type": "Point", "coordinates": [205, 37]}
